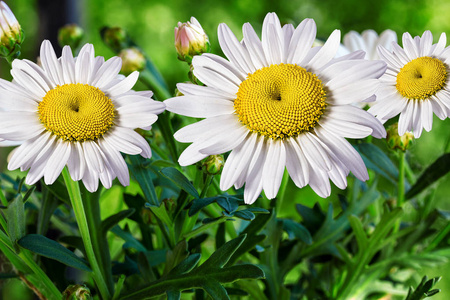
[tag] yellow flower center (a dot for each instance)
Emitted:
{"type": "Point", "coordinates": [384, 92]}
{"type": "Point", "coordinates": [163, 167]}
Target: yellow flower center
{"type": "Point", "coordinates": [280, 101]}
{"type": "Point", "coordinates": [421, 78]}
{"type": "Point", "coordinates": [76, 112]}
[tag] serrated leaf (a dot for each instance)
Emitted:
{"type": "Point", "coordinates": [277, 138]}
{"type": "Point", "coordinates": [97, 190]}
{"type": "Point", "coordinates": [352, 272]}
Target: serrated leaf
{"type": "Point", "coordinates": [43, 246]}
{"type": "Point", "coordinates": [244, 214]}
{"type": "Point", "coordinates": [209, 276]}
{"type": "Point", "coordinates": [180, 180]}
{"type": "Point", "coordinates": [435, 171]}
{"type": "Point", "coordinates": [113, 220]}
{"type": "Point", "coordinates": [128, 238]}
{"type": "Point", "coordinates": [423, 290]}
{"type": "Point", "coordinates": [333, 229]}
{"type": "Point", "coordinates": [186, 265]}
{"type": "Point", "coordinates": [361, 237]}
{"type": "Point", "coordinates": [176, 256]}
{"type": "Point", "coordinates": [378, 161]}
{"type": "Point", "coordinates": [296, 230]}
{"type": "Point", "coordinates": [15, 216]}
{"type": "Point", "coordinates": [173, 295]}
{"type": "Point", "coordinates": [229, 204]}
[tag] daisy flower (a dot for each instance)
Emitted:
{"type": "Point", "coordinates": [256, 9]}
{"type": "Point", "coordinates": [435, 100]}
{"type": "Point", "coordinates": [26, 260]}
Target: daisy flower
{"type": "Point", "coordinates": [76, 112]}
{"type": "Point", "coordinates": [275, 103]}
{"type": "Point", "coordinates": [416, 83]}
{"type": "Point", "coordinates": [368, 41]}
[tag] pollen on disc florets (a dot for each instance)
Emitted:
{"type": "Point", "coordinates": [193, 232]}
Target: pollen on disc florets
{"type": "Point", "coordinates": [421, 78]}
{"type": "Point", "coordinates": [76, 112]}
{"type": "Point", "coordinates": [280, 101]}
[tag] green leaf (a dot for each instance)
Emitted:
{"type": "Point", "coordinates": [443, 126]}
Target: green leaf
{"type": "Point", "coordinates": [244, 214]}
{"type": "Point", "coordinates": [435, 171]}
{"type": "Point", "coordinates": [423, 290]}
{"type": "Point", "coordinates": [113, 220]}
{"type": "Point", "coordinates": [58, 189]}
{"type": "Point", "coordinates": [144, 178]}
{"type": "Point", "coordinates": [128, 238]}
{"type": "Point", "coordinates": [358, 230]}
{"type": "Point", "coordinates": [333, 229]}
{"type": "Point", "coordinates": [43, 246]}
{"type": "Point", "coordinates": [209, 276]}
{"type": "Point", "coordinates": [15, 216]}
{"type": "Point", "coordinates": [173, 295]}
{"type": "Point", "coordinates": [377, 160]}
{"type": "Point", "coordinates": [180, 180]}
{"type": "Point", "coordinates": [296, 230]}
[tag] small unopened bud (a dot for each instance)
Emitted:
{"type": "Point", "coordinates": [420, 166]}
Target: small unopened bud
{"type": "Point", "coordinates": [213, 164]}
{"type": "Point", "coordinates": [132, 60]}
{"type": "Point", "coordinates": [170, 205]}
{"type": "Point", "coordinates": [115, 37]}
{"type": "Point", "coordinates": [190, 40]}
{"type": "Point", "coordinates": [77, 292]}
{"type": "Point", "coordinates": [398, 142]}
{"type": "Point", "coordinates": [11, 34]}
{"type": "Point", "coordinates": [192, 77]}
{"type": "Point", "coordinates": [70, 34]}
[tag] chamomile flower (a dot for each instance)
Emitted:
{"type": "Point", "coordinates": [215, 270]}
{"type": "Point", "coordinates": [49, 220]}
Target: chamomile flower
{"type": "Point", "coordinates": [75, 112]}
{"type": "Point", "coordinates": [278, 103]}
{"type": "Point", "coordinates": [416, 83]}
{"type": "Point", "coordinates": [368, 41]}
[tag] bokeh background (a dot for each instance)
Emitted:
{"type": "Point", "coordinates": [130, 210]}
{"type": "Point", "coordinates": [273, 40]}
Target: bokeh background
{"type": "Point", "coordinates": [151, 24]}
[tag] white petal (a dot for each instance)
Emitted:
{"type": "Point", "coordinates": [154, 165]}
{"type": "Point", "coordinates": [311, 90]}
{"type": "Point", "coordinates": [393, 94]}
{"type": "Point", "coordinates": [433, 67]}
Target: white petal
{"type": "Point", "coordinates": [327, 52]}
{"type": "Point", "coordinates": [93, 156]}
{"type": "Point", "coordinates": [76, 163]}
{"type": "Point", "coordinates": [57, 161]}
{"type": "Point", "coordinates": [107, 72]}
{"type": "Point", "coordinates": [296, 163]}
{"type": "Point", "coordinates": [302, 40]}
{"type": "Point", "coordinates": [116, 161]}
{"type": "Point", "coordinates": [274, 167]}
{"type": "Point", "coordinates": [199, 107]}
{"type": "Point", "coordinates": [233, 50]}
{"type": "Point", "coordinates": [237, 162]}
{"type": "Point", "coordinates": [124, 85]}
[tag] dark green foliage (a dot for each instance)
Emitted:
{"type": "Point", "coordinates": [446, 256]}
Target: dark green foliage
{"type": "Point", "coordinates": [209, 276]}
{"type": "Point", "coordinates": [46, 247]}
{"type": "Point", "coordinates": [424, 289]}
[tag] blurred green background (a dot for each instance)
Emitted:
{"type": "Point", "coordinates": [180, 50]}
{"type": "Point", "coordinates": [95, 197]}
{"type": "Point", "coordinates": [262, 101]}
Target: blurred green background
{"type": "Point", "coordinates": [151, 25]}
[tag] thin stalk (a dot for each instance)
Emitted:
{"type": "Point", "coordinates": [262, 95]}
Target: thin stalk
{"type": "Point", "coordinates": [49, 285]}
{"type": "Point", "coordinates": [99, 241]}
{"type": "Point", "coordinates": [77, 204]}
{"type": "Point", "coordinates": [400, 186]}
{"type": "Point", "coordinates": [438, 238]}
{"type": "Point", "coordinates": [208, 181]}
{"type": "Point", "coordinates": [282, 190]}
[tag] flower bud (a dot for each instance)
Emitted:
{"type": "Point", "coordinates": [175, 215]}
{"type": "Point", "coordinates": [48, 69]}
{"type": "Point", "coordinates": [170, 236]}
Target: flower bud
{"type": "Point", "coordinates": [190, 40]}
{"type": "Point", "coordinates": [77, 292]}
{"type": "Point", "coordinates": [70, 34]}
{"type": "Point", "coordinates": [115, 37]}
{"type": "Point", "coordinates": [213, 164]}
{"type": "Point", "coordinates": [132, 60]}
{"type": "Point", "coordinates": [11, 34]}
{"type": "Point", "coordinates": [398, 142]}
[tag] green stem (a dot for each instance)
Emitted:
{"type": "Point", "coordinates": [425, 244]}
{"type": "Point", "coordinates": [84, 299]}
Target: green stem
{"type": "Point", "coordinates": [99, 242]}
{"type": "Point", "coordinates": [400, 186]}
{"type": "Point", "coordinates": [282, 190]}
{"type": "Point", "coordinates": [208, 181]}
{"type": "Point", "coordinates": [78, 208]}
{"type": "Point", "coordinates": [438, 238]}
{"type": "Point", "coordinates": [49, 285]}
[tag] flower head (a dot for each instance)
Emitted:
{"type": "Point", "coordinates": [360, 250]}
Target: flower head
{"type": "Point", "coordinates": [76, 112]}
{"type": "Point", "coordinates": [132, 60]}
{"type": "Point", "coordinates": [368, 41]}
{"type": "Point", "coordinates": [415, 84]}
{"type": "Point", "coordinates": [190, 40]}
{"type": "Point", "coordinates": [11, 34]}
{"type": "Point", "coordinates": [71, 35]}
{"type": "Point", "coordinates": [276, 103]}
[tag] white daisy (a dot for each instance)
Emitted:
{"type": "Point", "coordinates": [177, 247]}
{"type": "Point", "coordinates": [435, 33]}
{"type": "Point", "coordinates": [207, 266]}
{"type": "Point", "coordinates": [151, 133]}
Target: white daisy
{"type": "Point", "coordinates": [75, 112]}
{"type": "Point", "coordinates": [276, 103]}
{"type": "Point", "coordinates": [368, 41]}
{"type": "Point", "coordinates": [416, 83]}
